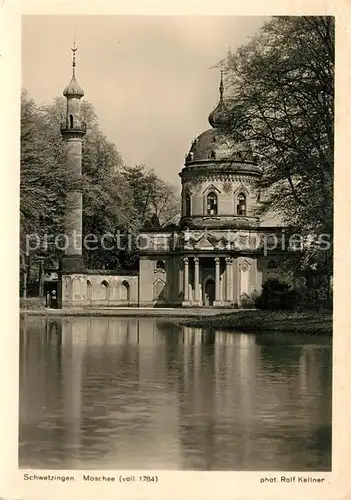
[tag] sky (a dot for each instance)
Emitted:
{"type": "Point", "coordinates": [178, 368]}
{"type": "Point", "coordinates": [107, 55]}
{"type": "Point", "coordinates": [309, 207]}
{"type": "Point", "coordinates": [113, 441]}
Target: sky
{"type": "Point", "coordinates": [151, 79]}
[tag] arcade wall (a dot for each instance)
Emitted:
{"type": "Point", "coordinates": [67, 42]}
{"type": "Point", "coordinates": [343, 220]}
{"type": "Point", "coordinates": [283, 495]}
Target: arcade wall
{"type": "Point", "coordinates": [98, 290]}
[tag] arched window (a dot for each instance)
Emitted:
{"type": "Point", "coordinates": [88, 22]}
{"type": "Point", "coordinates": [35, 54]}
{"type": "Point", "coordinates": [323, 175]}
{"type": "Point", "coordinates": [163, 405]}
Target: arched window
{"type": "Point", "coordinates": [213, 154]}
{"type": "Point", "coordinates": [105, 290]}
{"type": "Point", "coordinates": [160, 264]}
{"type": "Point", "coordinates": [187, 205]}
{"type": "Point", "coordinates": [89, 290]}
{"type": "Point", "coordinates": [212, 207]}
{"type": "Point", "coordinates": [241, 205]}
{"type": "Point", "coordinates": [125, 291]}
{"type": "Point", "coordinates": [70, 121]}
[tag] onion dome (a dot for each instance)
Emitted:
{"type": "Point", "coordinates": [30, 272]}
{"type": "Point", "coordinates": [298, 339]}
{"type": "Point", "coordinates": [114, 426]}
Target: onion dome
{"type": "Point", "coordinates": [219, 116]}
{"type": "Point", "coordinates": [73, 89]}
{"type": "Point", "coordinates": [214, 145]}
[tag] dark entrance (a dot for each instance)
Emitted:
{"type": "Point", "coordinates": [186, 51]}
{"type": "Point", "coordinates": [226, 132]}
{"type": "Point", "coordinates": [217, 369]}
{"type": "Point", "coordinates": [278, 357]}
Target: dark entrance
{"type": "Point", "coordinates": [50, 293]}
{"type": "Point", "coordinates": [209, 292]}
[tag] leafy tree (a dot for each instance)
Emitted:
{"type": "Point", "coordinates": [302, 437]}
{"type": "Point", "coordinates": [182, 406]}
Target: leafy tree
{"type": "Point", "coordinates": [165, 201]}
{"type": "Point", "coordinates": [281, 99]}
{"type": "Point", "coordinates": [156, 202]}
{"type": "Point", "coordinates": [116, 199]}
{"type": "Point", "coordinates": [43, 183]}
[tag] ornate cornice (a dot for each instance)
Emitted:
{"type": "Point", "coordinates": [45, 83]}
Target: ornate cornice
{"type": "Point", "coordinates": [219, 167]}
{"type": "Point", "coordinates": [220, 177]}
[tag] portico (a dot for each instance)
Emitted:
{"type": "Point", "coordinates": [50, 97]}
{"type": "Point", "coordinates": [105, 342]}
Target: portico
{"type": "Point", "coordinates": [208, 280]}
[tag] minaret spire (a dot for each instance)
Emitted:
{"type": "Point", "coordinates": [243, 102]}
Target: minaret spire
{"type": "Point", "coordinates": [74, 50]}
{"type": "Point", "coordinates": [73, 89]}
{"type": "Point", "coordinates": [218, 117]}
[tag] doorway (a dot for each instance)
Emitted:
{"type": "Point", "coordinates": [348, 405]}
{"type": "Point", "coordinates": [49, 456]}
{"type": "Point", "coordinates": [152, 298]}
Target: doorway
{"type": "Point", "coordinates": [209, 292]}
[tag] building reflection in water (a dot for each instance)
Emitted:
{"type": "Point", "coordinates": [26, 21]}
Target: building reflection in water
{"type": "Point", "coordinates": [144, 393]}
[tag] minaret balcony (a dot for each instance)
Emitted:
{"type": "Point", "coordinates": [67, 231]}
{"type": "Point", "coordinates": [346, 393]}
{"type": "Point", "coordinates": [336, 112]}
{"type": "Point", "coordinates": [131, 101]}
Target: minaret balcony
{"type": "Point", "coordinates": [78, 128]}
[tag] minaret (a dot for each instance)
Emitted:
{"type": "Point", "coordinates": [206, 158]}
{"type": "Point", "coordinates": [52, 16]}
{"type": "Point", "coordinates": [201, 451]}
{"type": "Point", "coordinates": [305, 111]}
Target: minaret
{"type": "Point", "coordinates": [73, 130]}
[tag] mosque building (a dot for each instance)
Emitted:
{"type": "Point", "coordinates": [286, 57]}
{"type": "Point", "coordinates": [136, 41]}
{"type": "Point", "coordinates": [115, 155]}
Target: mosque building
{"type": "Point", "coordinates": [215, 256]}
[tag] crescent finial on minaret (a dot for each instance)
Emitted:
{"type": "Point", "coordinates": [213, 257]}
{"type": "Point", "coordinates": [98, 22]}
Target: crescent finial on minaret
{"type": "Point", "coordinates": [74, 50]}
{"type": "Point", "coordinates": [73, 89]}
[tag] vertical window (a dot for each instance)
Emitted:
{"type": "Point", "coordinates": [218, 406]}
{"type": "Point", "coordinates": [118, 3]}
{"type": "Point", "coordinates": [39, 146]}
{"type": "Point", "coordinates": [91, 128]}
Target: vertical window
{"type": "Point", "coordinates": [187, 205]}
{"type": "Point", "coordinates": [125, 291]}
{"type": "Point", "coordinates": [105, 290]}
{"type": "Point", "coordinates": [212, 204]}
{"type": "Point", "coordinates": [70, 121]}
{"type": "Point", "coordinates": [89, 290]}
{"type": "Point", "coordinates": [241, 206]}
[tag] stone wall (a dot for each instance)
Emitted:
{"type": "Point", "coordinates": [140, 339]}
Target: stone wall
{"type": "Point", "coordinates": [158, 284]}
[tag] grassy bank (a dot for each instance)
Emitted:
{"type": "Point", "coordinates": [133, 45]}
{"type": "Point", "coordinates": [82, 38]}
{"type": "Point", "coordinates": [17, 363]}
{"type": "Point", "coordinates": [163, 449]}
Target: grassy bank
{"type": "Point", "coordinates": [308, 323]}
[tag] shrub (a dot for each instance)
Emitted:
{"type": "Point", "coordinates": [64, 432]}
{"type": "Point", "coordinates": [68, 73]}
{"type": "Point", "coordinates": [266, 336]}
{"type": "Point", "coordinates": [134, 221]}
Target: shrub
{"type": "Point", "coordinates": [276, 295]}
{"type": "Point", "coordinates": [314, 299]}
{"type": "Point", "coordinates": [248, 301]}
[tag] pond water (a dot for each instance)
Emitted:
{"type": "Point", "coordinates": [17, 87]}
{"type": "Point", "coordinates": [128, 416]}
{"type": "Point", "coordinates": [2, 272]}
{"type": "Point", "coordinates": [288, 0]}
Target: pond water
{"type": "Point", "coordinates": [142, 393]}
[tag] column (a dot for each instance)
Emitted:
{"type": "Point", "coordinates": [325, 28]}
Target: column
{"type": "Point", "coordinates": [41, 277]}
{"type": "Point", "coordinates": [186, 279]}
{"type": "Point", "coordinates": [235, 281]}
{"type": "Point", "coordinates": [197, 280]}
{"type": "Point", "coordinates": [217, 271]}
{"type": "Point", "coordinates": [229, 275]}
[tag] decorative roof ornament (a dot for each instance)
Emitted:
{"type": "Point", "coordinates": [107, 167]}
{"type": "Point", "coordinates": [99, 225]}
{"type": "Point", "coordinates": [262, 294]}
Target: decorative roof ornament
{"type": "Point", "coordinates": [218, 117]}
{"type": "Point", "coordinates": [73, 89]}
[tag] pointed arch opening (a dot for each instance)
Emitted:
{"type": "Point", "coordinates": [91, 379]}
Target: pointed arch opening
{"type": "Point", "coordinates": [105, 288]}
{"type": "Point", "coordinates": [125, 291]}
{"type": "Point", "coordinates": [70, 121]}
{"type": "Point", "coordinates": [241, 204]}
{"type": "Point", "coordinates": [160, 265]}
{"type": "Point", "coordinates": [212, 204]}
{"type": "Point", "coordinates": [89, 290]}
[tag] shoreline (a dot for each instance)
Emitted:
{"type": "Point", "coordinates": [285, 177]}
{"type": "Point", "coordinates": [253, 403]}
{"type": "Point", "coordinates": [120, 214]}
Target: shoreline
{"type": "Point", "coordinates": [257, 321]}
{"type": "Point", "coordinates": [229, 320]}
{"type": "Point", "coordinates": [129, 311]}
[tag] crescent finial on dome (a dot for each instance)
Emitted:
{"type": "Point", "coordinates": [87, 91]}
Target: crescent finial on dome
{"type": "Point", "coordinates": [73, 89]}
